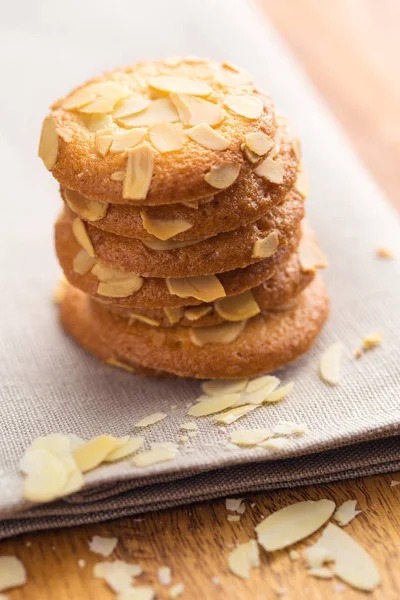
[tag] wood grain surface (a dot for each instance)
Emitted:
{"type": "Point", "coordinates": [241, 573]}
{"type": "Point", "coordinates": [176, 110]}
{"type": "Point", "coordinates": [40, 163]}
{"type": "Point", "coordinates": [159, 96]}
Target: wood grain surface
{"type": "Point", "coordinates": [350, 49]}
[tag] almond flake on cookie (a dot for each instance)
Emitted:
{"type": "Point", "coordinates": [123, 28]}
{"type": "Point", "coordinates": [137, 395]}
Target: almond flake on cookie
{"type": "Point", "coordinates": [204, 287]}
{"type": "Point", "coordinates": [164, 229]}
{"type": "Point", "coordinates": [267, 246]}
{"type": "Point", "coordinates": [82, 236]}
{"type": "Point", "coordinates": [130, 106]}
{"type": "Point", "coordinates": [143, 319]}
{"type": "Point", "coordinates": [48, 145]}
{"type": "Point", "coordinates": [122, 140]}
{"type": "Point", "coordinates": [180, 85]}
{"type": "Point", "coordinates": [167, 137]}
{"type": "Point", "coordinates": [197, 312]}
{"type": "Point", "coordinates": [250, 107]}
{"type": "Point", "coordinates": [271, 170]}
{"type": "Point", "coordinates": [158, 111]}
{"type": "Point", "coordinates": [204, 135]}
{"type": "Point", "coordinates": [259, 143]}
{"type": "Point", "coordinates": [139, 172]}
{"type": "Point", "coordinates": [222, 176]}
{"type": "Point", "coordinates": [82, 262]}
{"type": "Point", "coordinates": [226, 333]}
{"type": "Point", "coordinates": [237, 308]}
{"type": "Point", "coordinates": [195, 111]}
{"type": "Point", "coordinates": [91, 210]}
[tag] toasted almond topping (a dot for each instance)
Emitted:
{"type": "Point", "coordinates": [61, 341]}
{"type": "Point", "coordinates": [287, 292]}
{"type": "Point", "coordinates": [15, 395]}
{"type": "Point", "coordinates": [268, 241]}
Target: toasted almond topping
{"type": "Point", "coordinates": [194, 111]}
{"type": "Point", "coordinates": [226, 333]}
{"type": "Point", "coordinates": [158, 111]}
{"type": "Point", "coordinates": [60, 290]}
{"type": "Point", "coordinates": [167, 137]}
{"type": "Point", "coordinates": [97, 122]}
{"type": "Point", "coordinates": [113, 362]}
{"type": "Point", "coordinates": [164, 575]}
{"type": "Point", "coordinates": [48, 145]}
{"type": "Point", "coordinates": [271, 170]}
{"type": "Point", "coordinates": [103, 142]}
{"type": "Point", "coordinates": [251, 156]}
{"type": "Point", "coordinates": [79, 98]}
{"type": "Point", "coordinates": [82, 262]}
{"type": "Point", "coordinates": [301, 184]}
{"type": "Point", "coordinates": [250, 107]}
{"type": "Point", "coordinates": [180, 85]}
{"type": "Point", "coordinates": [174, 314]}
{"type": "Point", "coordinates": [150, 419]}
{"type": "Point", "coordinates": [204, 135]}
{"type": "Point", "coordinates": [114, 283]}
{"type": "Point", "coordinates": [297, 148]}
{"type": "Point", "coordinates": [237, 308]}
{"type": "Point", "coordinates": [205, 287]}
{"type": "Point", "coordinates": [176, 590]}
{"type": "Point", "coordinates": [280, 393]}
{"type": "Point", "coordinates": [139, 172]}
{"type": "Point", "coordinates": [329, 366]}
{"type": "Point", "coordinates": [216, 387]}
{"type": "Point", "coordinates": [250, 437]}
{"type": "Point", "coordinates": [267, 246]}
{"type": "Point", "coordinates": [130, 106]}
{"type": "Point", "coordinates": [173, 61]}
{"type": "Point", "coordinates": [91, 210]}
{"type": "Point", "coordinates": [372, 340]}
{"type": "Point", "coordinates": [243, 558]}
{"type": "Point", "coordinates": [81, 236]}
{"type": "Point", "coordinates": [144, 319]}
{"type": "Point", "coordinates": [118, 176]}
{"type": "Point", "coordinates": [92, 453]}
{"type": "Point", "coordinates": [103, 545]}
{"type": "Point", "coordinates": [310, 255]}
{"type": "Point", "coordinates": [384, 252]}
{"type": "Point", "coordinates": [65, 134]}
{"type": "Point", "coordinates": [229, 77]}
{"type": "Point", "coordinates": [164, 229]}
{"type": "Point", "coordinates": [152, 457]}
{"type": "Point", "coordinates": [222, 176]}
{"type": "Point", "coordinates": [293, 523]}
{"type": "Point", "coordinates": [294, 555]}
{"type": "Point", "coordinates": [117, 574]}
{"type": "Point", "coordinates": [122, 140]}
{"type": "Point", "coordinates": [209, 406]}
{"type": "Point", "coordinates": [346, 512]}
{"type": "Point", "coordinates": [107, 96]}
{"type": "Point", "coordinates": [196, 313]}
{"type": "Point", "coordinates": [12, 572]}
{"type": "Point", "coordinates": [259, 143]}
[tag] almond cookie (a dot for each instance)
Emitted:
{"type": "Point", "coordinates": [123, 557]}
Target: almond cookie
{"type": "Point", "coordinates": [223, 252]}
{"type": "Point", "coordinates": [159, 133]}
{"type": "Point", "coordinates": [262, 344]}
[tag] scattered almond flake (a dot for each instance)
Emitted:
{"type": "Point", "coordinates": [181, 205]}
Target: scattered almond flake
{"type": "Point", "coordinates": [212, 405]}
{"type": "Point", "coordinates": [48, 145]}
{"type": "Point", "coordinates": [96, 122]}
{"type": "Point", "coordinates": [167, 137]}
{"type": "Point", "coordinates": [176, 590]}
{"type": "Point", "coordinates": [225, 333]}
{"type": "Point", "coordinates": [223, 175]}
{"type": "Point", "coordinates": [301, 184]}
{"type": "Point", "coordinates": [243, 558]}
{"type": "Point", "coordinates": [280, 393]}
{"type": "Point", "coordinates": [168, 445]}
{"type": "Point", "coordinates": [253, 504]}
{"type": "Point", "coordinates": [293, 523]}
{"type": "Point", "coordinates": [195, 111]}
{"type": "Point", "coordinates": [81, 563]}
{"type": "Point", "coordinates": [316, 556]}
{"type": "Point", "coordinates": [150, 419]}
{"type": "Point", "coordinates": [206, 288]}
{"type": "Point", "coordinates": [294, 555]}
{"type": "Point", "coordinates": [233, 518]}
{"type": "Point", "coordinates": [236, 413]}
{"type": "Point", "coordinates": [237, 308]}
{"type": "Point", "coordinates": [122, 140]}
{"type": "Point", "coordinates": [180, 85]}
{"type": "Point", "coordinates": [130, 106]}
{"type": "Point", "coordinates": [321, 573]}
{"type": "Point", "coordinates": [346, 512]}
{"type": "Point", "coordinates": [107, 95]}
{"type": "Point", "coordinates": [164, 575]}
{"type": "Point", "coordinates": [259, 143]}
{"type": "Point", "coordinates": [103, 545]}
{"type": "Point", "coordinates": [91, 454]}
{"type": "Point", "coordinates": [47, 476]}
{"type": "Point", "coordinates": [173, 61]}
{"type": "Point", "coordinates": [289, 428]}
{"type": "Point", "coordinates": [262, 394]}
{"type": "Point", "coordinates": [152, 457]}
{"type": "Point", "coordinates": [372, 340]}
{"type": "Point", "coordinates": [329, 366]}
{"type": "Point", "coordinates": [217, 387]}
{"type": "Point", "coordinates": [142, 592]}
{"type": "Point", "coordinates": [183, 439]}
{"type": "Point", "coordinates": [251, 107]}
{"type": "Point", "coordinates": [352, 563]}
{"type": "Point", "coordinates": [384, 252]}
{"type": "Point", "coordinates": [188, 426]}
{"type": "Point", "coordinates": [234, 504]}
{"type": "Point", "coordinates": [215, 581]}
{"type": "Point", "coordinates": [271, 170]}
{"type": "Point", "coordinates": [12, 573]}
{"type": "Point", "coordinates": [118, 176]}
{"type": "Point", "coordinates": [311, 256]}
{"type": "Point", "coordinates": [129, 447]}
{"type": "Point", "coordinates": [117, 574]}
{"type": "Point", "coordinates": [260, 382]}
{"type": "Point", "coordinates": [139, 171]}
{"type": "Point", "coordinates": [164, 229]}
{"type": "Point", "coordinates": [278, 443]}
{"type": "Point", "coordinates": [394, 483]}
{"type": "Point", "coordinates": [65, 134]}
{"type": "Point", "coordinates": [204, 135]}
{"type": "Point", "coordinates": [158, 111]}
{"type": "Point", "coordinates": [82, 237]}
{"type": "Point", "coordinates": [250, 437]}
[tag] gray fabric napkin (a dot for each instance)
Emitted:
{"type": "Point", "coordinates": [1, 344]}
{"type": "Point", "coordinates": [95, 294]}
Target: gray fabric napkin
{"type": "Point", "coordinates": [49, 384]}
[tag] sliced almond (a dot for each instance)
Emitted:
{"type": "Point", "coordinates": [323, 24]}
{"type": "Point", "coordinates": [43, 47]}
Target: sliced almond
{"type": "Point", "coordinates": [150, 419]}
{"type": "Point", "coordinates": [233, 77]}
{"type": "Point", "coordinates": [130, 106]}
{"type": "Point", "coordinates": [46, 476]}
{"type": "Point", "coordinates": [118, 176]}
{"type": "Point", "coordinates": [258, 142]}
{"type": "Point", "coordinates": [92, 453]}
{"type": "Point", "coordinates": [117, 363]}
{"type": "Point", "coordinates": [310, 255]}
{"type": "Point", "coordinates": [196, 313]}
{"type": "Point", "coordinates": [176, 590]}
{"type": "Point", "coordinates": [260, 383]}
{"type": "Point", "coordinates": [82, 262]}
{"type": "Point", "coordinates": [222, 176]}
{"type": "Point", "coordinates": [155, 456]}
{"type": "Point", "coordinates": [79, 98]}
{"type": "Point", "coordinates": [280, 393]}
{"type": "Point", "coordinates": [167, 137]}
{"type": "Point", "coordinates": [372, 340]}
{"type": "Point", "coordinates": [250, 437]}
{"type": "Point", "coordinates": [103, 545]}
{"type": "Point", "coordinates": [122, 140]}
{"type": "Point", "coordinates": [173, 61]}
{"type": "Point", "coordinates": [251, 156]}
{"type": "Point", "coordinates": [65, 134]}
{"type": "Point", "coordinates": [301, 184]}
{"type": "Point", "coordinates": [132, 445]}
{"type": "Point", "coordinates": [293, 523]}
{"type": "Point", "coordinates": [180, 85]}
{"type": "Point", "coordinates": [82, 237]}
{"type": "Point", "coordinates": [164, 229]}
{"type": "Point", "coordinates": [139, 172]}
{"type": "Point", "coordinates": [174, 314]}
{"type": "Point", "coordinates": [329, 366]}
{"type": "Point", "coordinates": [205, 287]}
{"type": "Point", "coordinates": [139, 592]}
{"type": "Point", "coordinates": [204, 135]}
{"type": "Point", "coordinates": [321, 573]}
{"type": "Point", "coordinates": [113, 276]}
{"type": "Point", "coordinates": [267, 246]}
{"type": "Point", "coordinates": [243, 558]}
{"type": "Point", "coordinates": [12, 573]}
{"type": "Point", "coordinates": [216, 387]}
{"type": "Point", "coordinates": [297, 148]}
{"type": "Point", "coordinates": [276, 444]}
{"type": "Point", "coordinates": [226, 333]}
{"type": "Point", "coordinates": [158, 111]}
{"type": "Point", "coordinates": [194, 111]}
{"type": "Point", "coordinates": [261, 394]}
{"type": "Point", "coordinates": [210, 406]}
{"type": "Point", "coordinates": [234, 414]}
{"type": "Point", "coordinates": [117, 574]}
{"type": "Point", "coordinates": [107, 96]}
{"type": "Point", "coordinates": [103, 142]}
{"type": "Point", "coordinates": [271, 170]}
{"type": "Point", "coordinates": [144, 319]}
{"type": "Point", "coordinates": [346, 512]}
{"type": "Point", "coordinates": [289, 428]}
{"type": "Point", "coordinates": [91, 210]}
{"type": "Point", "coordinates": [48, 145]}
{"type": "Point", "coordinates": [189, 426]}
{"type": "Point", "coordinates": [237, 308]}
{"type": "Point", "coordinates": [251, 107]}
{"type": "Point", "coordinates": [98, 122]}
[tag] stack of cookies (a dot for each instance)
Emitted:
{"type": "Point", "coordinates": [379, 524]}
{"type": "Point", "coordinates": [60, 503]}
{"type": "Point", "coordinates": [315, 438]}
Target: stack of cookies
{"type": "Point", "coordinates": [182, 234]}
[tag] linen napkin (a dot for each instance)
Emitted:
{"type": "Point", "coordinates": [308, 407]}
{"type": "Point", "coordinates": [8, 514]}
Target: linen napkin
{"type": "Point", "coordinates": [49, 384]}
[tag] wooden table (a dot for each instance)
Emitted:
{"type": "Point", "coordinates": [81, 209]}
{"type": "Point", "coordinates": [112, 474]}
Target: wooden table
{"type": "Point", "coordinates": [350, 49]}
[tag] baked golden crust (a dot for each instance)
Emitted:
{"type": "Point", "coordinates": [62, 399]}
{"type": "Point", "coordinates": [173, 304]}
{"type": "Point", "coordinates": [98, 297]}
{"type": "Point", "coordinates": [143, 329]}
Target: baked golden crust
{"type": "Point", "coordinates": [267, 342]}
{"type": "Point", "coordinates": [85, 161]}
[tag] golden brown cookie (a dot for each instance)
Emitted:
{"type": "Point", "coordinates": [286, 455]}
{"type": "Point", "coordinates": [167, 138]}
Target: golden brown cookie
{"type": "Point", "coordinates": [223, 252]}
{"type": "Point", "coordinates": [158, 133]}
{"type": "Point", "coordinates": [260, 345]}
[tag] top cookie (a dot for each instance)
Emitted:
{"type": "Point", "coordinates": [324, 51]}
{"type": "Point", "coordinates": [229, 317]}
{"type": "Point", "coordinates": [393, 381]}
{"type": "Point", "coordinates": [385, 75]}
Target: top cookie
{"type": "Point", "coordinates": [161, 132]}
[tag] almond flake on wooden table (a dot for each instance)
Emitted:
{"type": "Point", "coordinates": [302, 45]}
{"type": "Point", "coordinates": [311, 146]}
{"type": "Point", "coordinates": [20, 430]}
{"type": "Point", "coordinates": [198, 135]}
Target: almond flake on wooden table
{"type": "Point", "coordinates": [346, 512]}
{"type": "Point", "coordinates": [150, 419]}
{"type": "Point", "coordinates": [176, 590]}
{"type": "Point", "coordinates": [233, 518]}
{"type": "Point", "coordinates": [329, 366]}
{"type": "Point", "coordinates": [243, 558]}
{"type": "Point", "coordinates": [117, 574]}
{"type": "Point", "coordinates": [394, 483]}
{"type": "Point", "coordinates": [12, 573]}
{"type": "Point", "coordinates": [293, 523]}
{"type": "Point", "coordinates": [103, 545]}
{"type": "Point", "coordinates": [164, 575]}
